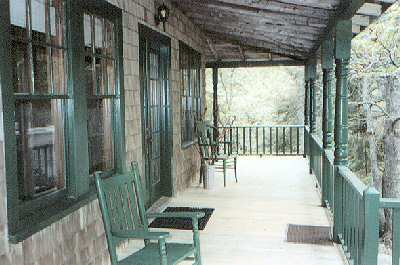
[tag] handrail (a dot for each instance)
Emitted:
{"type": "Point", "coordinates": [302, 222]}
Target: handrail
{"type": "Point", "coordinates": [354, 205]}
{"type": "Point", "coordinates": [352, 179]}
{"type": "Point", "coordinates": [273, 140]}
{"type": "Point", "coordinates": [394, 205]}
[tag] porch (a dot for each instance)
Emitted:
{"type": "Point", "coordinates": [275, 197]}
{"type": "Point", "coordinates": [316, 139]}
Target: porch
{"type": "Point", "coordinates": [251, 218]}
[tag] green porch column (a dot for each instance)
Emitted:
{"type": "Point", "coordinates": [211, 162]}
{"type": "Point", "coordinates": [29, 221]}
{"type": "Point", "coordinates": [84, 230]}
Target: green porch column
{"type": "Point", "coordinates": [215, 104]}
{"type": "Point", "coordinates": [342, 59]}
{"type": "Point", "coordinates": [328, 95]}
{"type": "Point", "coordinates": [312, 74]}
{"type": "Point", "coordinates": [306, 107]}
{"type": "Point", "coordinates": [343, 38]}
{"type": "Point", "coordinates": [327, 50]}
{"type": "Point", "coordinates": [306, 95]}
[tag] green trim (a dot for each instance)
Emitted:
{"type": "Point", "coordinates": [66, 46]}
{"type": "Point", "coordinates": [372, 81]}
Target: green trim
{"type": "Point", "coordinates": [45, 210]}
{"type": "Point", "coordinates": [155, 41]}
{"type": "Point", "coordinates": [8, 102]}
{"type": "Point", "coordinates": [342, 55]}
{"type": "Point", "coordinates": [194, 62]}
{"type": "Point", "coordinates": [53, 214]}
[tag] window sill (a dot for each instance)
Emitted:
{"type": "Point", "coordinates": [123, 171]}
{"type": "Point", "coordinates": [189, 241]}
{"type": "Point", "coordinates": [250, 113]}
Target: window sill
{"type": "Point", "coordinates": [187, 144]}
{"type": "Point", "coordinates": [45, 217]}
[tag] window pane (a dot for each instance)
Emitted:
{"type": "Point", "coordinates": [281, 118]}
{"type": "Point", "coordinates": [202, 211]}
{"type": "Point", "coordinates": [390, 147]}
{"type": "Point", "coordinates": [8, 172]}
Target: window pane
{"type": "Point", "coordinates": [100, 133]}
{"type": "Point", "coordinates": [39, 25]}
{"type": "Point", "coordinates": [87, 23]}
{"type": "Point", "coordinates": [109, 32]}
{"type": "Point", "coordinates": [18, 19]}
{"type": "Point", "coordinates": [39, 129]}
{"type": "Point", "coordinates": [58, 75]}
{"type": "Point", "coordinates": [57, 22]}
{"type": "Point", "coordinates": [41, 70]}
{"type": "Point", "coordinates": [19, 56]}
{"type": "Point", "coordinates": [99, 35]}
{"type": "Point", "coordinates": [100, 76]}
{"type": "Point", "coordinates": [111, 76]}
{"type": "Point", "coordinates": [49, 70]}
{"type": "Point", "coordinates": [89, 75]}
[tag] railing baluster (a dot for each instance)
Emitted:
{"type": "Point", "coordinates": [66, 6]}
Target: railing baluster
{"type": "Point", "coordinates": [396, 237]}
{"type": "Point", "coordinates": [224, 130]}
{"type": "Point", "coordinates": [244, 140]}
{"type": "Point", "coordinates": [298, 140]}
{"type": "Point", "coordinates": [257, 139]}
{"type": "Point", "coordinates": [290, 140]}
{"type": "Point", "coordinates": [230, 140]}
{"type": "Point", "coordinates": [263, 140]}
{"type": "Point", "coordinates": [237, 140]}
{"type": "Point", "coordinates": [270, 140]}
{"type": "Point", "coordinates": [251, 151]}
{"type": "Point", "coordinates": [277, 140]}
{"type": "Point", "coordinates": [284, 140]}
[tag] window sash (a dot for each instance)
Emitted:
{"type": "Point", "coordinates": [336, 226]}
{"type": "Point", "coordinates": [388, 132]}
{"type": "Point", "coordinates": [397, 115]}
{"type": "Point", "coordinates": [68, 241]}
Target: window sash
{"type": "Point", "coordinates": [77, 184]}
{"type": "Point", "coordinates": [190, 92]}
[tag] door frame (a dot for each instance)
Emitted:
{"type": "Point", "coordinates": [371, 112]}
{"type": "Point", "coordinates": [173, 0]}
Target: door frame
{"type": "Point", "coordinates": [146, 34]}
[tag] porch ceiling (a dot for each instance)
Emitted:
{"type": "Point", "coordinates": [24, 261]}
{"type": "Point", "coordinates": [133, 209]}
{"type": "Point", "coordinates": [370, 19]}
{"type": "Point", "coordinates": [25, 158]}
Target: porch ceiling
{"type": "Point", "coordinates": [274, 32]}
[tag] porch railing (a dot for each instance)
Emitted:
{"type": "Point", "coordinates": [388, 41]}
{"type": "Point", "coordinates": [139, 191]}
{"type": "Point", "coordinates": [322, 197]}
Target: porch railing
{"type": "Point", "coordinates": [354, 205]}
{"type": "Point", "coordinates": [281, 140]}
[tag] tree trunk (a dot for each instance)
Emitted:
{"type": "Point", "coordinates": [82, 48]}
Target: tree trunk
{"type": "Point", "coordinates": [391, 179]}
{"type": "Point", "coordinates": [373, 155]}
{"type": "Point", "coordinates": [372, 143]}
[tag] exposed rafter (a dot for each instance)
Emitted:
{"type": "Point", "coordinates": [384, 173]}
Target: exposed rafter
{"type": "Point", "coordinates": [273, 30]}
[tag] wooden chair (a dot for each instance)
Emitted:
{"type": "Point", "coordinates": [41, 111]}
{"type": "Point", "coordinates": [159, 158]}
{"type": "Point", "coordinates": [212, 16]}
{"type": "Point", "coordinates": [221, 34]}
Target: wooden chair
{"type": "Point", "coordinates": [125, 218]}
{"type": "Point", "coordinates": [208, 152]}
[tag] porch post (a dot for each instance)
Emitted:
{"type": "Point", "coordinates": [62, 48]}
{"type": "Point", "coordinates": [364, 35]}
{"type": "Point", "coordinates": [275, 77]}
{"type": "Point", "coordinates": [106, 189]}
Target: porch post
{"type": "Point", "coordinates": [327, 118]}
{"type": "Point", "coordinates": [215, 103]}
{"type": "Point", "coordinates": [306, 95]}
{"type": "Point", "coordinates": [313, 99]}
{"type": "Point", "coordinates": [312, 73]}
{"type": "Point", "coordinates": [342, 58]}
{"type": "Point", "coordinates": [306, 101]}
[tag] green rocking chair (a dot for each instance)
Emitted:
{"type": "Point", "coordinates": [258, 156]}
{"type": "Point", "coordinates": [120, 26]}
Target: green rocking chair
{"type": "Point", "coordinates": [124, 216]}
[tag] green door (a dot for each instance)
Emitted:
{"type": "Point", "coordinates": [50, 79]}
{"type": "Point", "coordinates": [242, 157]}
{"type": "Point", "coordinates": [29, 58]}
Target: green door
{"type": "Point", "coordinates": [154, 62]}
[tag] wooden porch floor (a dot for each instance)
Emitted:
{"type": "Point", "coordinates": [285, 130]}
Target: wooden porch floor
{"type": "Point", "coordinates": [250, 220]}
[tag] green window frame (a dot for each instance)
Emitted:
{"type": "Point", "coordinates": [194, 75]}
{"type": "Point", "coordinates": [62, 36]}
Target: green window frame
{"type": "Point", "coordinates": [190, 87]}
{"type": "Point", "coordinates": [78, 189]}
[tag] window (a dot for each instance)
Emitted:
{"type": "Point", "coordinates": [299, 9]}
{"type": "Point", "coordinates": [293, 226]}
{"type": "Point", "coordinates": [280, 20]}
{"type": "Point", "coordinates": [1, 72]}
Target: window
{"type": "Point", "coordinates": [190, 64]}
{"type": "Point", "coordinates": [38, 60]}
{"type": "Point", "coordinates": [65, 119]}
{"type": "Point", "coordinates": [100, 89]}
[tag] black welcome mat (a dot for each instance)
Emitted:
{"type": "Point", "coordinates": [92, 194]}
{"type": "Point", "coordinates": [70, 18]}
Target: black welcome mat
{"type": "Point", "coordinates": [182, 223]}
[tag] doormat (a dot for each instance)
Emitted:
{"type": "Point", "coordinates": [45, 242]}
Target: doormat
{"type": "Point", "coordinates": [182, 223]}
{"type": "Point", "coordinates": [308, 234]}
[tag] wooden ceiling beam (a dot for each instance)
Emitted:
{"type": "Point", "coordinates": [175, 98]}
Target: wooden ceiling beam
{"type": "Point", "coordinates": [295, 42]}
{"type": "Point", "coordinates": [265, 23]}
{"type": "Point", "coordinates": [270, 32]}
{"type": "Point", "coordinates": [283, 8]}
{"type": "Point", "coordinates": [269, 46]}
{"type": "Point", "coordinates": [206, 9]}
{"type": "Point", "coordinates": [212, 49]}
{"type": "Point", "coordinates": [326, 4]}
{"type": "Point", "coordinates": [272, 7]}
{"type": "Point", "coordinates": [370, 9]}
{"type": "Point", "coordinates": [240, 64]}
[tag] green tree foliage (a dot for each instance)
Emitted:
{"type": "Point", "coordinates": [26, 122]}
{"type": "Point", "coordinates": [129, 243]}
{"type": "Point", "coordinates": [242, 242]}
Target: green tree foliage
{"type": "Point", "coordinates": [251, 96]}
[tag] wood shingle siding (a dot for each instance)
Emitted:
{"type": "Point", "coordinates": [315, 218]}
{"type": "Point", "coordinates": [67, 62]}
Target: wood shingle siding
{"type": "Point", "coordinates": [78, 238]}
